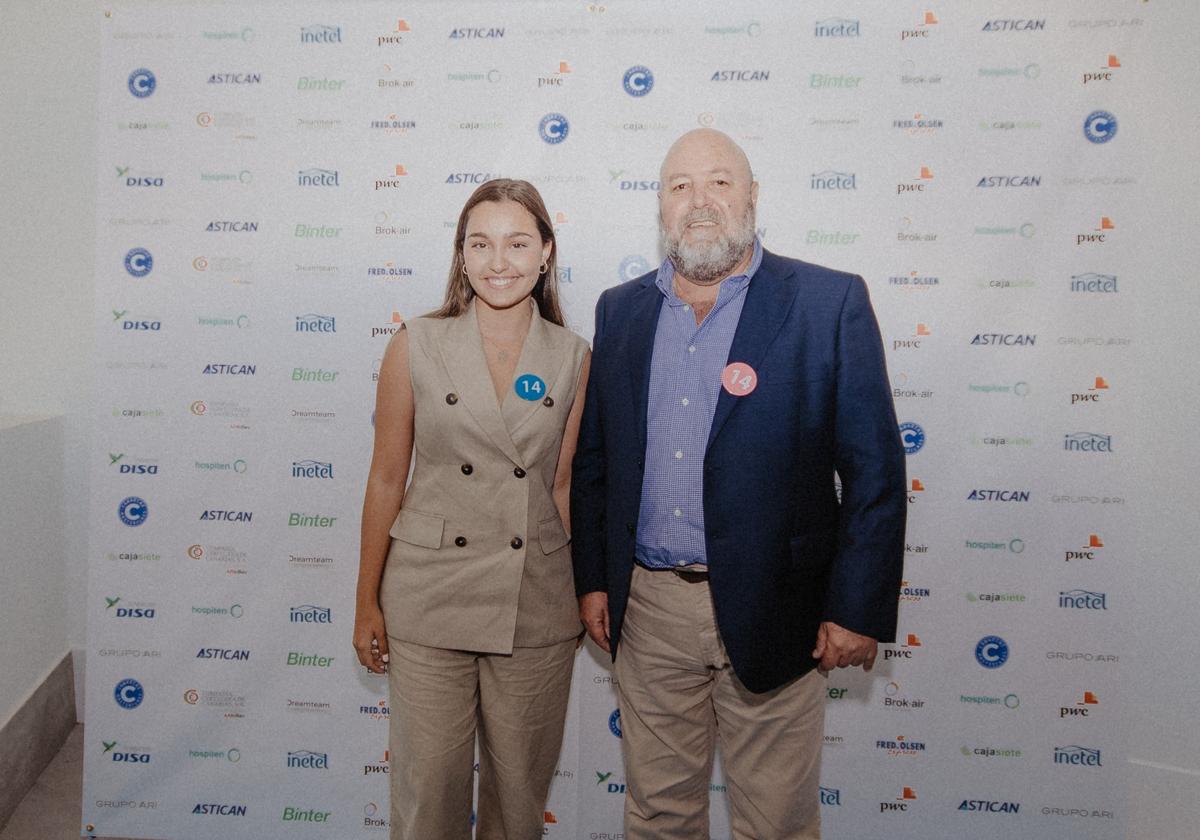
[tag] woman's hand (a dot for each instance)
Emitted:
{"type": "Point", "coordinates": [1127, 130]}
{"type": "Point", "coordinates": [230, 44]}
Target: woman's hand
{"type": "Point", "coordinates": [370, 639]}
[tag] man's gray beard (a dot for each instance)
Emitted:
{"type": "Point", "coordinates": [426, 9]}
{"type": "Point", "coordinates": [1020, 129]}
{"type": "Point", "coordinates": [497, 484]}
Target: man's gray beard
{"type": "Point", "coordinates": [708, 262]}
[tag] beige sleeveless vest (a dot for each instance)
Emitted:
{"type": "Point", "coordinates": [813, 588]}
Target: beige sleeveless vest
{"type": "Point", "coordinates": [479, 558]}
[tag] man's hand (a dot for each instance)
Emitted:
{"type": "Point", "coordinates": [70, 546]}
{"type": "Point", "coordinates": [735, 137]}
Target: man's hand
{"type": "Point", "coordinates": [838, 647]}
{"type": "Point", "coordinates": [593, 612]}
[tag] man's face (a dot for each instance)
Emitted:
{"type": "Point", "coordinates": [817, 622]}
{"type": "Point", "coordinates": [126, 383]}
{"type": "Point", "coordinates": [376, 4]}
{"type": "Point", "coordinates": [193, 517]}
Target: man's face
{"type": "Point", "coordinates": [706, 207]}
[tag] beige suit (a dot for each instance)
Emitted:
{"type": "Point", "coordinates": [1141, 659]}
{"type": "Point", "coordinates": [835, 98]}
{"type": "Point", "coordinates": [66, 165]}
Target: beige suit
{"type": "Point", "coordinates": [478, 593]}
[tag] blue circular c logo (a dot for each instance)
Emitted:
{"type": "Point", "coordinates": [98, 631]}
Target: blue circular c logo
{"type": "Point", "coordinates": [139, 262]}
{"type": "Point", "coordinates": [633, 266]}
{"type": "Point", "coordinates": [129, 694]}
{"type": "Point", "coordinates": [1100, 127]}
{"type": "Point", "coordinates": [638, 81]}
{"type": "Point", "coordinates": [991, 652]}
{"type": "Point", "coordinates": [614, 722]}
{"type": "Point", "coordinates": [554, 128]}
{"type": "Point", "coordinates": [142, 83]}
{"type": "Point", "coordinates": [133, 511]}
{"type": "Point", "coordinates": [912, 436]}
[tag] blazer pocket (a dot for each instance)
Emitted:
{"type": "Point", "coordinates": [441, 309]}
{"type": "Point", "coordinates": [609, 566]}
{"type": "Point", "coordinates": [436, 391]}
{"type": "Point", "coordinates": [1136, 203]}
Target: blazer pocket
{"type": "Point", "coordinates": [551, 534]}
{"type": "Point", "coordinates": [423, 529]}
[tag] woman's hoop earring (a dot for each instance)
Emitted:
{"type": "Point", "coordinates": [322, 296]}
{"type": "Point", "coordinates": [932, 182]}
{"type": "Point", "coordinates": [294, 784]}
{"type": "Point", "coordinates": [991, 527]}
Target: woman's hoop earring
{"type": "Point", "coordinates": [545, 267]}
{"type": "Point", "coordinates": [464, 271]}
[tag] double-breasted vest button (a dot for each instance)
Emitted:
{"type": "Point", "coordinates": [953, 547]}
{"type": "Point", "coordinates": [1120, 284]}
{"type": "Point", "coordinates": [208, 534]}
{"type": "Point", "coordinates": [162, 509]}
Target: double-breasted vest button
{"type": "Point", "coordinates": [517, 542]}
{"type": "Point", "coordinates": [460, 541]}
{"type": "Point", "coordinates": [548, 402]}
{"type": "Point", "coordinates": [518, 472]}
{"type": "Point", "coordinates": [451, 399]}
{"type": "Point", "coordinates": [467, 469]}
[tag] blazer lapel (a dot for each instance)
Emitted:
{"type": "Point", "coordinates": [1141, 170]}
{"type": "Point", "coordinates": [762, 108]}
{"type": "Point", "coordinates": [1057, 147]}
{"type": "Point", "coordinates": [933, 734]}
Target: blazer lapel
{"type": "Point", "coordinates": [466, 365]}
{"type": "Point", "coordinates": [536, 357]}
{"type": "Point", "coordinates": [642, 326]}
{"type": "Point", "coordinates": [768, 301]}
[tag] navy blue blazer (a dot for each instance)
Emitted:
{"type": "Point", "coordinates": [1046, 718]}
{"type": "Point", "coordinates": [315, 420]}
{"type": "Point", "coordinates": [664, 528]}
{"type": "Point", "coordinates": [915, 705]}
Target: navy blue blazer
{"type": "Point", "coordinates": [784, 553]}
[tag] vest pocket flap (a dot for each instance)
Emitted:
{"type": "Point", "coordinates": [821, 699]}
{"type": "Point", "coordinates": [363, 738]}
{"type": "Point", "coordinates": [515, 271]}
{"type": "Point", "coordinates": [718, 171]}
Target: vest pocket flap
{"type": "Point", "coordinates": [552, 535]}
{"type": "Point", "coordinates": [424, 529]}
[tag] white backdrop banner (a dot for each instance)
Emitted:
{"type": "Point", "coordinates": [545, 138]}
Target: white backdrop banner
{"type": "Point", "coordinates": [278, 188]}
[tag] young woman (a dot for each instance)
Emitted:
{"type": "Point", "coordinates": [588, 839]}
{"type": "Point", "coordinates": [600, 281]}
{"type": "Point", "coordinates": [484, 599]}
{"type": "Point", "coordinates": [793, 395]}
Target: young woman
{"type": "Point", "coordinates": [465, 591]}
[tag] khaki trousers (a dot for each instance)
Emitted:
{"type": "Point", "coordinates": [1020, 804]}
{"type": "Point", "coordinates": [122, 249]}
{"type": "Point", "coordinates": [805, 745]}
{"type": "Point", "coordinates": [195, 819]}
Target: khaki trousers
{"type": "Point", "coordinates": [679, 696]}
{"type": "Point", "coordinates": [439, 699]}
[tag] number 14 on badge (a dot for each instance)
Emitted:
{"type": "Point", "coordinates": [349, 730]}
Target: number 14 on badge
{"type": "Point", "coordinates": [739, 379]}
{"type": "Point", "coordinates": [529, 387]}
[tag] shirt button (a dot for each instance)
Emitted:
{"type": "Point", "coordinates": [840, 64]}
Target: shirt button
{"type": "Point", "coordinates": [516, 543]}
{"type": "Point", "coordinates": [678, 512]}
{"type": "Point", "coordinates": [451, 399]}
{"type": "Point", "coordinates": [686, 307]}
{"type": "Point", "coordinates": [467, 469]}
{"type": "Point", "coordinates": [460, 541]}
{"type": "Point", "coordinates": [519, 473]}
{"type": "Point", "coordinates": [691, 349]}
{"type": "Point", "coordinates": [683, 401]}
{"type": "Point", "coordinates": [678, 454]}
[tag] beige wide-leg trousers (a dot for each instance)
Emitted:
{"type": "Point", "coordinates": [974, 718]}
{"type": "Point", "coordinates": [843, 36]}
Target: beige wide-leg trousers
{"type": "Point", "coordinates": [439, 700]}
{"type": "Point", "coordinates": [679, 696]}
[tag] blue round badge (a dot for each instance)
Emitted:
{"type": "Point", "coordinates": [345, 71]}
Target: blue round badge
{"type": "Point", "coordinates": [133, 511]}
{"type": "Point", "coordinates": [912, 436]}
{"type": "Point", "coordinates": [128, 694]}
{"type": "Point", "coordinates": [554, 128]}
{"type": "Point", "coordinates": [614, 722]}
{"type": "Point", "coordinates": [142, 83]}
{"type": "Point", "coordinates": [529, 387]}
{"type": "Point", "coordinates": [138, 262]}
{"type": "Point", "coordinates": [638, 81]}
{"type": "Point", "coordinates": [1100, 127]}
{"type": "Point", "coordinates": [991, 652]}
{"type": "Point", "coordinates": [633, 266]}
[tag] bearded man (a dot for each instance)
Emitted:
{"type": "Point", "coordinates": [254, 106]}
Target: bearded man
{"type": "Point", "coordinates": [730, 391]}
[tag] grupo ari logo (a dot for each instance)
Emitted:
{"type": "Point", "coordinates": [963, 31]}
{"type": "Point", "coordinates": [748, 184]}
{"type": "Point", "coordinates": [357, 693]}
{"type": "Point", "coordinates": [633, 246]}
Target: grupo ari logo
{"type": "Point", "coordinates": [554, 128]}
{"type": "Point", "coordinates": [1100, 127]}
{"type": "Point", "coordinates": [912, 436]}
{"type": "Point", "coordinates": [991, 652]}
{"type": "Point", "coordinates": [638, 81]}
{"type": "Point", "coordinates": [133, 511]}
{"type": "Point", "coordinates": [139, 262]}
{"type": "Point", "coordinates": [142, 83]}
{"type": "Point", "coordinates": [129, 693]}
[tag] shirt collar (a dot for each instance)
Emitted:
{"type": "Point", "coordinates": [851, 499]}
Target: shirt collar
{"type": "Point", "coordinates": [666, 275]}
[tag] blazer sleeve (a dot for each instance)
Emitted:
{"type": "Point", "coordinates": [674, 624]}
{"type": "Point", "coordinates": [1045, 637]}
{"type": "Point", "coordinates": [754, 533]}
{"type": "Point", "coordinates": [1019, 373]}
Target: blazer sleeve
{"type": "Point", "coordinates": [865, 576]}
{"type": "Point", "coordinates": [588, 476]}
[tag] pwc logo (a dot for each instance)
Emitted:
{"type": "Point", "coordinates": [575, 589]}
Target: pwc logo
{"type": "Point", "coordinates": [1105, 73]}
{"type": "Point", "coordinates": [921, 30]}
{"type": "Point", "coordinates": [1092, 394]}
{"type": "Point", "coordinates": [1097, 235]}
{"type": "Point", "coordinates": [916, 185]}
{"type": "Point", "coordinates": [904, 650]}
{"type": "Point", "coordinates": [900, 803]}
{"type": "Point", "coordinates": [1081, 707]}
{"type": "Point", "coordinates": [912, 342]}
{"type": "Point", "coordinates": [915, 487]}
{"type": "Point", "coordinates": [1087, 552]}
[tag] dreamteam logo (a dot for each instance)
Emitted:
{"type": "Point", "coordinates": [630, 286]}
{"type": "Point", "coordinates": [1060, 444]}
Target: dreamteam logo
{"type": "Point", "coordinates": [1088, 552]}
{"type": "Point", "coordinates": [917, 184]}
{"type": "Point", "coordinates": [1080, 709]}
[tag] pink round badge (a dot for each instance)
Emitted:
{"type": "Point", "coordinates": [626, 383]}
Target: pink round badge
{"type": "Point", "coordinates": [739, 379]}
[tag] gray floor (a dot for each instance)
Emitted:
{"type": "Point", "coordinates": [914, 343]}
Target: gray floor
{"type": "Point", "coordinates": [51, 809]}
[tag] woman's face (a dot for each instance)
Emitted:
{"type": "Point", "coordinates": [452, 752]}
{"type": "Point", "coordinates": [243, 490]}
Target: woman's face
{"type": "Point", "coordinates": [503, 252]}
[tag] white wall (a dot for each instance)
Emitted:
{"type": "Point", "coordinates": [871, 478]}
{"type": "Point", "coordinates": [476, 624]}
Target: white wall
{"type": "Point", "coordinates": [32, 557]}
{"type": "Point", "coordinates": [47, 142]}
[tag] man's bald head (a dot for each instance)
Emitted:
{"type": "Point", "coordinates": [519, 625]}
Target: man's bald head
{"type": "Point", "coordinates": [706, 145]}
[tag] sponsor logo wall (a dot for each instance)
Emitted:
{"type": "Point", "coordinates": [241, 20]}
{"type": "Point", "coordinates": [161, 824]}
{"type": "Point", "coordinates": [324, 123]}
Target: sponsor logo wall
{"type": "Point", "coordinates": [277, 190]}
